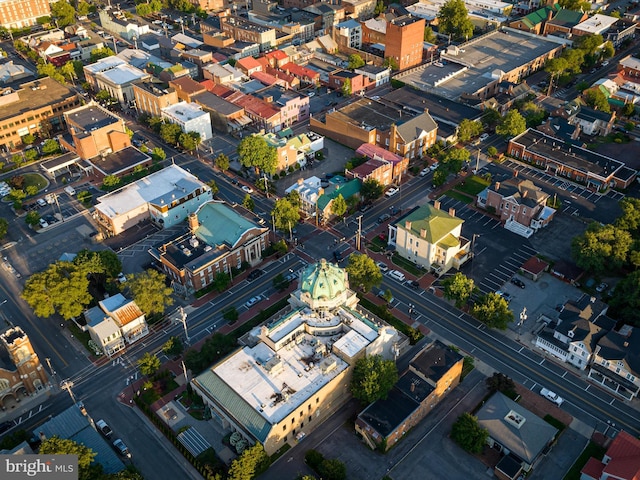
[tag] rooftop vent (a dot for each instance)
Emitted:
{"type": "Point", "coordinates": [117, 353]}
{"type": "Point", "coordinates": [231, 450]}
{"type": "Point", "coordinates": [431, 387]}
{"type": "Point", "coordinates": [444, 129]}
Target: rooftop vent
{"type": "Point", "coordinates": [514, 419]}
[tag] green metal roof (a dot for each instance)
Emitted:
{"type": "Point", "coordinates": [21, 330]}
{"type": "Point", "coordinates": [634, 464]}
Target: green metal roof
{"type": "Point", "coordinates": [347, 190]}
{"type": "Point", "coordinates": [234, 404]}
{"type": "Point", "coordinates": [323, 280]}
{"type": "Point", "coordinates": [449, 242]}
{"type": "Point", "coordinates": [436, 223]}
{"type": "Point", "coordinates": [567, 18]}
{"type": "Point", "coordinates": [220, 224]}
{"type": "Point", "coordinates": [539, 16]}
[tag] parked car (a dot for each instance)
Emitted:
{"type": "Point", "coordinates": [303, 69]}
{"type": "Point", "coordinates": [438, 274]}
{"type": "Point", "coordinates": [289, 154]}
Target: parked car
{"type": "Point", "coordinates": [43, 223]}
{"type": "Point", "coordinates": [394, 210]}
{"type": "Point", "coordinates": [391, 192]}
{"type": "Point", "coordinates": [505, 295]}
{"type": "Point", "coordinates": [433, 167]}
{"type": "Point", "coordinates": [425, 171]}
{"type": "Point", "coordinates": [252, 301]}
{"type": "Point", "coordinates": [551, 396]}
{"type": "Point", "coordinates": [483, 137]}
{"type": "Point", "coordinates": [397, 275]}
{"type": "Point", "coordinates": [517, 282]}
{"type": "Point", "coordinates": [70, 190]}
{"type": "Point", "coordinates": [103, 428]}
{"type": "Point", "coordinates": [381, 294]}
{"type": "Point", "coordinates": [247, 189]}
{"type": "Point", "coordinates": [122, 277]}
{"type": "Point", "coordinates": [311, 94]}
{"type": "Point", "coordinates": [364, 208]}
{"type": "Point", "coordinates": [383, 218]}
{"type": "Point", "coordinates": [254, 274]}
{"type": "Point", "coordinates": [121, 448]}
{"type": "Point", "coordinates": [382, 266]}
{"type": "Point", "coordinates": [602, 287]}
{"type": "Point", "coordinates": [413, 284]}
{"type": "Point", "coordinates": [41, 202]}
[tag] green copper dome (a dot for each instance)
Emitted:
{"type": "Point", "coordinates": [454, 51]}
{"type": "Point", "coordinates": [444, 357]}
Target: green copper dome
{"type": "Point", "coordinates": [323, 281]}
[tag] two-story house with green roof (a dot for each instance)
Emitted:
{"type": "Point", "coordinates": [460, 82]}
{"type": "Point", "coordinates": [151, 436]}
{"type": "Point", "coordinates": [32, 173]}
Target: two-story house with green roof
{"type": "Point", "coordinates": [431, 238]}
{"type": "Point", "coordinates": [324, 205]}
{"type": "Point", "coordinates": [534, 22]}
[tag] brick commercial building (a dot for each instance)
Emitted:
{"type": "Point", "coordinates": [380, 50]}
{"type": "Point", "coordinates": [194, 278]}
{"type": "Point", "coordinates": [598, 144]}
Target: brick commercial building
{"type": "Point", "coordinates": [404, 41]}
{"type": "Point", "coordinates": [22, 13]}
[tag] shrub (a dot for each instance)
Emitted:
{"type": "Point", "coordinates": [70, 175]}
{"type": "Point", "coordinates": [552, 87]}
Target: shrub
{"type": "Point", "coordinates": [313, 458]}
{"type": "Point", "coordinates": [275, 177]}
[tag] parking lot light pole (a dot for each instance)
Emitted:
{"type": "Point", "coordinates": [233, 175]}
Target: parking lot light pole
{"type": "Point", "coordinates": [523, 318]}
{"type": "Point", "coordinates": [411, 312]}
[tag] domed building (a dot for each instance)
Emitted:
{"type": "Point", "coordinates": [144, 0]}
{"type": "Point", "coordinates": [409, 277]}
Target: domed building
{"type": "Point", "coordinates": [294, 371]}
{"type": "Point", "coordinates": [324, 286]}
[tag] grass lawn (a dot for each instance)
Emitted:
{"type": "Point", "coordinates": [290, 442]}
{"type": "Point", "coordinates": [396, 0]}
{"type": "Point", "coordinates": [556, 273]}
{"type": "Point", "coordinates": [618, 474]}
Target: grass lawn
{"type": "Point", "coordinates": [83, 337]}
{"type": "Point", "coordinates": [591, 450]}
{"type": "Point", "coordinates": [472, 185]}
{"type": "Point", "coordinates": [458, 196]}
{"type": "Point", "coordinates": [407, 265]}
{"type": "Point", "coordinates": [34, 179]}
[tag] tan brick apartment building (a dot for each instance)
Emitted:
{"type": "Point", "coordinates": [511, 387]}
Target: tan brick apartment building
{"type": "Point", "coordinates": [151, 97]}
{"type": "Point", "coordinates": [22, 13]}
{"type": "Point", "coordinates": [34, 107]}
{"type": "Point", "coordinates": [574, 163]}
{"type": "Point", "coordinates": [245, 31]}
{"type": "Point", "coordinates": [404, 39]}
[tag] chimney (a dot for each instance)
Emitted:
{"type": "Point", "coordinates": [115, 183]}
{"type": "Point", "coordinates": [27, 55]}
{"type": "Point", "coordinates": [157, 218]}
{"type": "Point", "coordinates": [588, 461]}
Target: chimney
{"type": "Point", "coordinates": [497, 186]}
{"type": "Point", "coordinates": [549, 15]}
{"type": "Point", "coordinates": [452, 212]}
{"type": "Point", "coordinates": [423, 233]}
{"type": "Point", "coordinates": [413, 387]}
{"type": "Point", "coordinates": [436, 204]}
{"type": "Point", "coordinates": [193, 222]}
{"type": "Point", "coordinates": [626, 344]}
{"type": "Point", "coordinates": [407, 225]}
{"type": "Point", "coordinates": [515, 174]}
{"type": "Point", "coordinates": [300, 181]}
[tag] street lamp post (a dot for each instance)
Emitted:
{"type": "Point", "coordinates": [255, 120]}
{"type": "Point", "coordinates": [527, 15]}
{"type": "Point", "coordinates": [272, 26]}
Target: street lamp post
{"type": "Point", "coordinates": [412, 310]}
{"type": "Point", "coordinates": [523, 318]}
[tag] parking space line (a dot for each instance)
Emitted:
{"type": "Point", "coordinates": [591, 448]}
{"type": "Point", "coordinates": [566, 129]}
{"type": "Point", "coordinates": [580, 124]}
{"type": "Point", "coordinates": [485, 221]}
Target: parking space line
{"type": "Point", "coordinates": [487, 222]}
{"type": "Point", "coordinates": [496, 225]}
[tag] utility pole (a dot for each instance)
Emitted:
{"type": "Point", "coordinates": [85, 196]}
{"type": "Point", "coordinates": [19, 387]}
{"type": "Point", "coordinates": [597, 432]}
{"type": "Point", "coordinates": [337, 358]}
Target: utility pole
{"type": "Point", "coordinates": [184, 369]}
{"type": "Point", "coordinates": [523, 318]}
{"type": "Point", "coordinates": [67, 384]}
{"type": "Point", "coordinates": [359, 233]}
{"type": "Point", "coordinates": [477, 162]}
{"type": "Point", "coordinates": [183, 317]}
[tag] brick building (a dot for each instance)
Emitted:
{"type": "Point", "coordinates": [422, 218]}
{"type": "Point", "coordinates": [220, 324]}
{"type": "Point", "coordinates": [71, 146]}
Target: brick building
{"type": "Point", "coordinates": [151, 97]}
{"type": "Point", "coordinates": [22, 13]}
{"type": "Point", "coordinates": [404, 39]}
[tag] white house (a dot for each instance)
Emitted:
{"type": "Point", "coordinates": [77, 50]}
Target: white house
{"type": "Point", "coordinates": [310, 190]}
{"type": "Point", "coordinates": [190, 117]}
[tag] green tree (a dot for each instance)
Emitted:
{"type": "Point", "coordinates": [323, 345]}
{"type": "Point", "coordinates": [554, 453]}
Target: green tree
{"type": "Point", "coordinates": [170, 132]}
{"type": "Point", "coordinates": [429, 36]}
{"type": "Point", "coordinates": [499, 382]}
{"type": "Point", "coordinates": [213, 186]}
{"type": "Point", "coordinates": [149, 364]}
{"type": "Point", "coordinates": [459, 288]}
{"type": "Point", "coordinates": [222, 162]}
{"type": "Point", "coordinates": [50, 147]}
{"type": "Point", "coordinates": [371, 189]}
{"type": "Point", "coordinates": [440, 176]}
{"type": "Point", "coordinates": [380, 7]}
{"type": "Point", "coordinates": [248, 203]}
{"type": "Point", "coordinates": [49, 70]}
{"type": "Point", "coordinates": [390, 62]}
{"type": "Point", "coordinates": [150, 291]}
{"type": "Point", "coordinates": [454, 159]}
{"type": "Point", "coordinates": [64, 13]}
{"type": "Point", "coordinates": [255, 152]}
{"type": "Point", "coordinates": [491, 117]}
{"type": "Point", "coordinates": [512, 124]}
{"type": "Point", "coordinates": [189, 141]}
{"type": "Point", "coordinates": [62, 446]}
{"type": "Point", "coordinates": [253, 461]}
{"type": "Point", "coordinates": [332, 469]}
{"type": "Point", "coordinates": [467, 129]}
{"type": "Point", "coordinates": [577, 5]}
{"type": "Point", "coordinates": [597, 100]}
{"type": "Point", "coordinates": [492, 151]}
{"type": "Point", "coordinates": [221, 281]}
{"type": "Point", "coordinates": [601, 247]}
{"type": "Point", "coordinates": [98, 53]}
{"type": "Point", "coordinates": [4, 227]}
{"type": "Point", "coordinates": [32, 218]}
{"type": "Point", "coordinates": [31, 154]}
{"type": "Point", "coordinates": [279, 282]}
{"type": "Point", "coordinates": [84, 196]}
{"type": "Point", "coordinates": [373, 378]}
{"type": "Point", "coordinates": [158, 154]}
{"type": "Point", "coordinates": [346, 88]}
{"type": "Point", "coordinates": [363, 272]}
{"type": "Point", "coordinates": [574, 58]}
{"type": "Point", "coordinates": [453, 19]}
{"type": "Point", "coordinates": [69, 72]}
{"type": "Point", "coordinates": [294, 199]}
{"type": "Point", "coordinates": [493, 310]}
{"type": "Point", "coordinates": [285, 215]}
{"type": "Point", "coordinates": [355, 61]}
{"type": "Point", "coordinates": [630, 218]}
{"type": "Point", "coordinates": [143, 9]}
{"type": "Point", "coordinates": [83, 8]}
{"type": "Point", "coordinates": [467, 433]}
{"type": "Point", "coordinates": [28, 139]}
{"type": "Point", "coordinates": [339, 206]}
{"type": "Point", "coordinates": [625, 302]}
{"type": "Point", "coordinates": [111, 181]}
{"type": "Point", "coordinates": [533, 114]}
{"type": "Point", "coordinates": [589, 43]}
{"type": "Point", "coordinates": [555, 67]}
{"type": "Point", "coordinates": [629, 110]}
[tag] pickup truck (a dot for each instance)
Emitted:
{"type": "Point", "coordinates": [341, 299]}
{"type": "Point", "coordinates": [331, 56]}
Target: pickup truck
{"type": "Point", "coordinates": [103, 428]}
{"type": "Point", "coordinates": [551, 396]}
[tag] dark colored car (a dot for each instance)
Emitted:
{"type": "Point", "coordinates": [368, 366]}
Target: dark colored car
{"type": "Point", "coordinates": [394, 210]}
{"type": "Point", "coordinates": [413, 284]}
{"type": "Point", "coordinates": [254, 274]}
{"type": "Point", "coordinates": [383, 218]}
{"type": "Point", "coordinates": [517, 282]}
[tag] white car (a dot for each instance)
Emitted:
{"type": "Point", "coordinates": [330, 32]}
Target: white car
{"type": "Point", "coordinates": [122, 278]}
{"type": "Point", "coordinates": [382, 266]}
{"type": "Point", "coordinates": [433, 167]}
{"type": "Point", "coordinates": [397, 275]}
{"type": "Point", "coordinates": [484, 136]}
{"type": "Point", "coordinates": [551, 396]}
{"type": "Point", "coordinates": [311, 94]}
{"type": "Point", "coordinates": [425, 171]}
{"type": "Point", "coordinates": [43, 223]}
{"type": "Point", "coordinates": [391, 192]}
{"type": "Point", "coordinates": [252, 301]}
{"type": "Point", "coordinates": [70, 190]}
{"type": "Point", "coordinates": [247, 189]}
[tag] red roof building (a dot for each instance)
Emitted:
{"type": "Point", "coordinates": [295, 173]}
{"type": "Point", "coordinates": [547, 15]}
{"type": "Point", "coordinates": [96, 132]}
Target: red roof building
{"type": "Point", "coordinates": [622, 461]}
{"type": "Point", "coordinates": [267, 79]}
{"type": "Point", "coordinates": [534, 267]}
{"type": "Point", "coordinates": [302, 73]}
{"type": "Point", "coordinates": [262, 113]}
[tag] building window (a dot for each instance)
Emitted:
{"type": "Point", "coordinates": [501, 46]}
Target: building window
{"type": "Point", "coordinates": [284, 428]}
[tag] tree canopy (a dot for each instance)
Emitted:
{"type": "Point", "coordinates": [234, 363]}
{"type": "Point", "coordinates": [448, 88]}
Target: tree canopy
{"type": "Point", "coordinates": [596, 100]}
{"type": "Point", "coordinates": [355, 61]}
{"type": "Point", "coordinates": [453, 19]}
{"type": "Point", "coordinates": [4, 227]}
{"type": "Point", "coordinates": [467, 129]}
{"type": "Point", "coordinates": [373, 378]}
{"type": "Point", "coordinates": [253, 461]}
{"type": "Point", "coordinates": [371, 189]}
{"type": "Point", "coordinates": [62, 446]}
{"type": "Point", "coordinates": [150, 291]}
{"type": "Point", "coordinates": [98, 53]}
{"type": "Point", "coordinates": [222, 162]}
{"type": "Point", "coordinates": [339, 206]}
{"type": "Point", "coordinates": [512, 124]}
{"type": "Point", "coordinates": [64, 13]}
{"type": "Point", "coordinates": [255, 152]}
{"type": "Point", "coordinates": [601, 247]}
{"type": "Point", "coordinates": [493, 310]}
{"type": "Point", "coordinates": [285, 215]}
{"type": "Point", "coordinates": [467, 433]}
{"type": "Point", "coordinates": [459, 288]}
{"type": "Point", "coordinates": [363, 272]}
{"type": "Point", "coordinates": [499, 382]}
{"type": "Point", "coordinates": [149, 364]}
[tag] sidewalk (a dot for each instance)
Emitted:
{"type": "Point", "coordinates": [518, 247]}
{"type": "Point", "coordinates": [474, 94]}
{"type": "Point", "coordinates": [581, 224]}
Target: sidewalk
{"type": "Point", "coordinates": [26, 404]}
